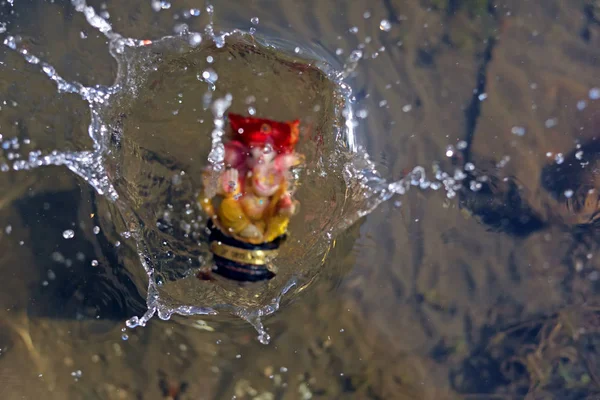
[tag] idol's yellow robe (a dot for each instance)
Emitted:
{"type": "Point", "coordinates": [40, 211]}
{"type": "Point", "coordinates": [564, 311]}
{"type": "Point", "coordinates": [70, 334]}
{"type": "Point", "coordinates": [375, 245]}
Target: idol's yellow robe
{"type": "Point", "coordinates": [234, 219]}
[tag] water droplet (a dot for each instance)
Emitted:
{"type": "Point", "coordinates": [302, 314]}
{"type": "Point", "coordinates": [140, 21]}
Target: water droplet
{"type": "Point", "coordinates": [181, 29]}
{"type": "Point", "coordinates": [482, 96]}
{"type": "Point", "coordinates": [461, 145]}
{"type": "Point", "coordinates": [594, 93]}
{"type": "Point", "coordinates": [367, 15]}
{"type": "Point", "coordinates": [518, 130]}
{"type": "Point", "coordinates": [210, 76]}
{"type": "Point", "coordinates": [69, 234]}
{"type": "Point", "coordinates": [8, 229]}
{"type": "Point", "coordinates": [385, 25]}
{"type": "Point", "coordinates": [475, 186]}
{"type": "Point", "coordinates": [581, 105]}
{"type": "Point", "coordinates": [339, 51]}
{"type": "Point", "coordinates": [132, 322]}
{"type": "Point", "coordinates": [568, 193]}
{"type": "Point", "coordinates": [551, 122]}
{"type": "Point", "coordinates": [355, 56]}
{"type": "Point", "coordinates": [195, 39]}
{"type": "Point", "coordinates": [254, 20]}
{"type": "Point", "coordinates": [96, 230]}
{"type": "Point", "coordinates": [407, 108]}
{"type": "Point", "coordinates": [559, 158]}
{"type": "Point", "coordinates": [94, 263]}
{"type": "Point", "coordinates": [362, 113]}
{"type": "Point", "coordinates": [354, 29]}
{"type": "Point", "coordinates": [10, 42]}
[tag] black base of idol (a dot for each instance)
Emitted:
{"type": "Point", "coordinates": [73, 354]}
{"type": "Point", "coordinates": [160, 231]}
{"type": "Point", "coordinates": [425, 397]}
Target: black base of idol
{"type": "Point", "coordinates": [241, 261]}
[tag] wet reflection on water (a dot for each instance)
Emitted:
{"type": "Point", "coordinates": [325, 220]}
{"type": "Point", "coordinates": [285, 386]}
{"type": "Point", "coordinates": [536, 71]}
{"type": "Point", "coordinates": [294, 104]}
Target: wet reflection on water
{"type": "Point", "coordinates": [434, 299]}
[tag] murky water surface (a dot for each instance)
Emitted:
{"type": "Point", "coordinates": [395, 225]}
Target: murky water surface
{"type": "Point", "coordinates": [446, 245]}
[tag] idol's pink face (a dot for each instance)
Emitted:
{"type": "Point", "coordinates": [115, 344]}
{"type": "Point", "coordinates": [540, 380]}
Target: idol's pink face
{"type": "Point", "coordinates": [265, 180]}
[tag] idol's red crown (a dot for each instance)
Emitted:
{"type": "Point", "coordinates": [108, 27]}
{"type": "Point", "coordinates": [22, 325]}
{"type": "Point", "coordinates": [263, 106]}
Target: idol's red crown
{"type": "Point", "coordinates": [253, 132]}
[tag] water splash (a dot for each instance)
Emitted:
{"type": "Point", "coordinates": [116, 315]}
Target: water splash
{"type": "Point", "coordinates": [346, 166]}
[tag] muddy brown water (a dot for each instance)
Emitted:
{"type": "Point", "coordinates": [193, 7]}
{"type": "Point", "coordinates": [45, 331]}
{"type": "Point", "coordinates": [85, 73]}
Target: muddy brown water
{"type": "Point", "coordinates": [428, 303]}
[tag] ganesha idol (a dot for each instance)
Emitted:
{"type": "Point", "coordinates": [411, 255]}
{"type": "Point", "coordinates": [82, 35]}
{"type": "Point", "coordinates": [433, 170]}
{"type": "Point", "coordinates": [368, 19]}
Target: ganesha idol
{"type": "Point", "coordinates": [249, 202]}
